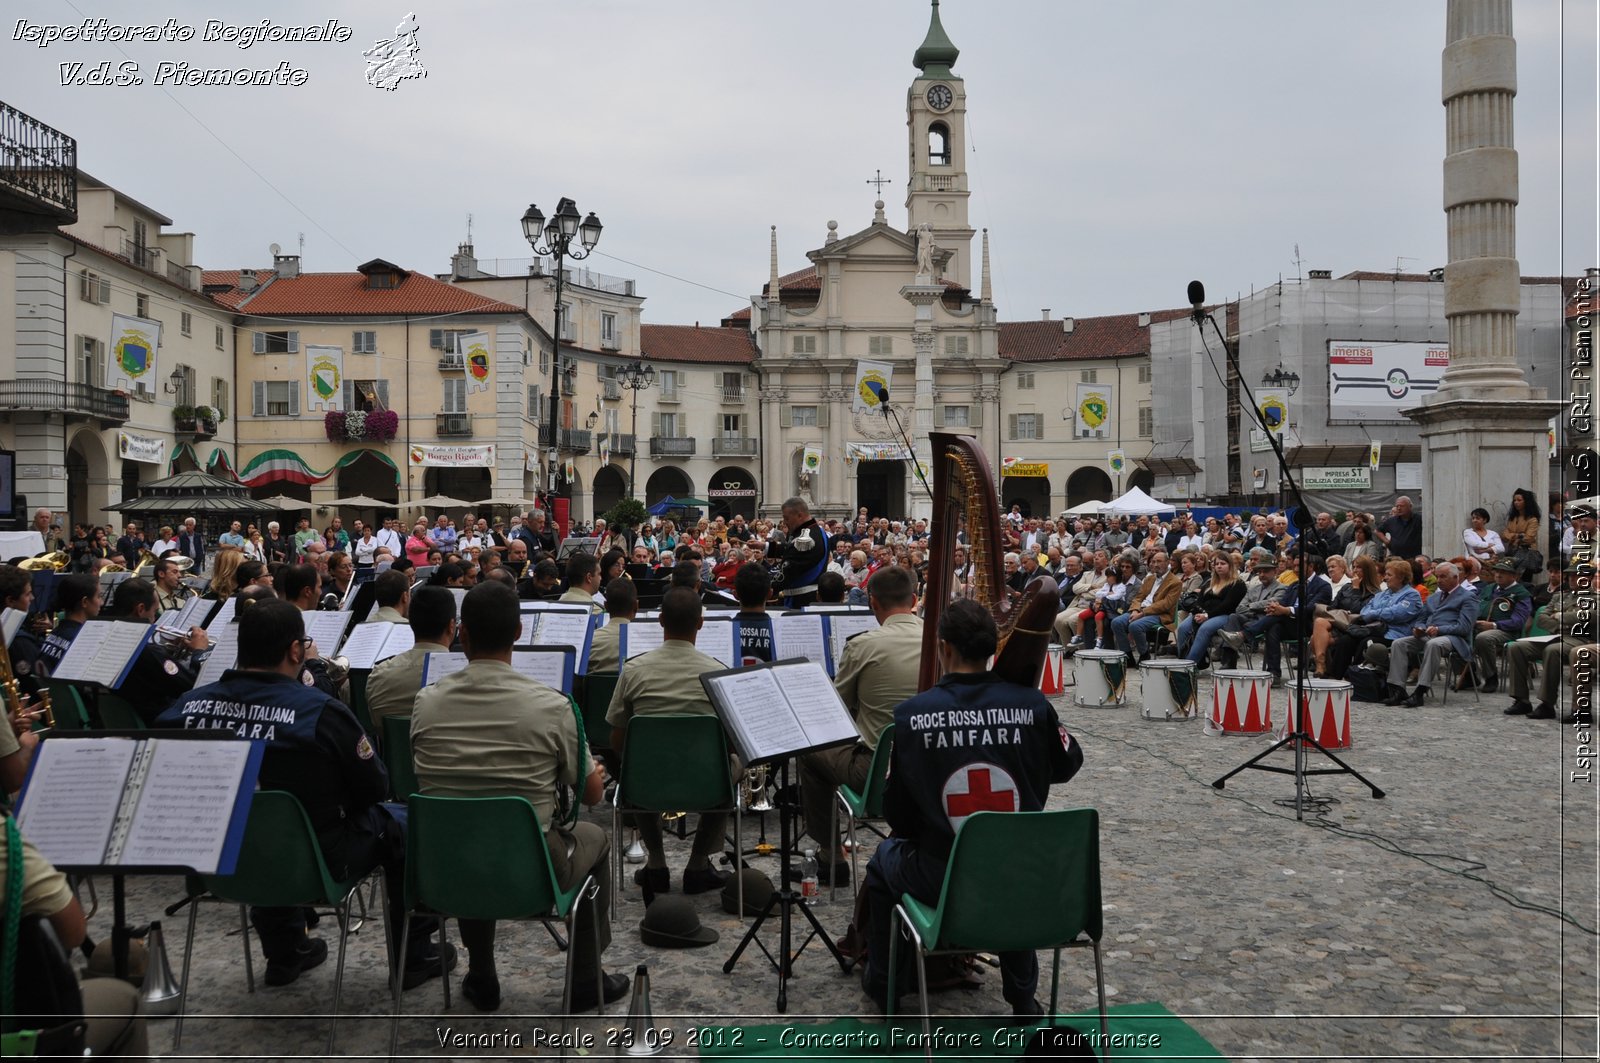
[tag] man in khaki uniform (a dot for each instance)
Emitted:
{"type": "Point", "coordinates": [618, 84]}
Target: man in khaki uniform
{"type": "Point", "coordinates": [876, 672]}
{"type": "Point", "coordinates": [392, 593]}
{"type": "Point", "coordinates": [583, 579]}
{"type": "Point", "coordinates": [392, 688]}
{"type": "Point", "coordinates": [488, 731]}
{"type": "Point", "coordinates": [605, 649]}
{"type": "Point", "coordinates": [667, 681]}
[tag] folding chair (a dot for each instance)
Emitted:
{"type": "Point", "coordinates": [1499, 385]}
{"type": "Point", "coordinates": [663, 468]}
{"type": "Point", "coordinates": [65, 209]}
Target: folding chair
{"type": "Point", "coordinates": [397, 757]}
{"type": "Point", "coordinates": [868, 804]}
{"type": "Point", "coordinates": [673, 763]}
{"type": "Point", "coordinates": [1015, 881]}
{"type": "Point", "coordinates": [118, 714]}
{"type": "Point", "coordinates": [1449, 665]}
{"type": "Point", "coordinates": [485, 858]}
{"type": "Point", "coordinates": [280, 866]}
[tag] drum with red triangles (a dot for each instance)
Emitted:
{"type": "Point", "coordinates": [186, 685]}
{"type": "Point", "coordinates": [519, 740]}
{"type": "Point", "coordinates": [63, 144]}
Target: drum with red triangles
{"type": "Point", "coordinates": [1241, 702]}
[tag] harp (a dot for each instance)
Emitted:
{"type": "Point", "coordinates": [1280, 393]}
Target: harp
{"type": "Point", "coordinates": [964, 495]}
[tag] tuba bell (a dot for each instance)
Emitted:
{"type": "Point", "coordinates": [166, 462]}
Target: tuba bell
{"type": "Point", "coordinates": [54, 561]}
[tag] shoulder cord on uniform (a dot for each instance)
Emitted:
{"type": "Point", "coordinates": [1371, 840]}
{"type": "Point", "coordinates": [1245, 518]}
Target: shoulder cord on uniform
{"type": "Point", "coordinates": [13, 918]}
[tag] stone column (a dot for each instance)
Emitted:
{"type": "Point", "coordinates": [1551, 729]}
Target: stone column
{"type": "Point", "coordinates": [1484, 430]}
{"type": "Point", "coordinates": [922, 295]}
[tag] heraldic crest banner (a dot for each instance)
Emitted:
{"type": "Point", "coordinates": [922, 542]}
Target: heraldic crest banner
{"type": "Point", "coordinates": [134, 342]}
{"type": "Point", "coordinates": [324, 377]}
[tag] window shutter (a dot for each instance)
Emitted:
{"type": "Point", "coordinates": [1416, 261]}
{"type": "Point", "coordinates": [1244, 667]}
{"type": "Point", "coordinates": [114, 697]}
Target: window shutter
{"type": "Point", "coordinates": [86, 287]}
{"type": "Point", "coordinates": [975, 415]}
{"type": "Point", "coordinates": [347, 393]}
{"type": "Point", "coordinates": [1011, 426]}
{"type": "Point", "coordinates": [383, 393]}
{"type": "Point", "coordinates": [744, 381]}
{"type": "Point", "coordinates": [294, 398]}
{"type": "Point", "coordinates": [655, 423]}
{"type": "Point", "coordinates": [258, 399]}
{"type": "Point", "coordinates": [938, 415]}
{"type": "Point", "coordinates": [785, 417]}
{"type": "Point", "coordinates": [294, 342]}
{"type": "Point", "coordinates": [259, 342]}
{"type": "Point", "coordinates": [436, 337]}
{"type": "Point", "coordinates": [822, 414]}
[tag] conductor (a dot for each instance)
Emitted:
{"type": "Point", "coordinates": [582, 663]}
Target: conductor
{"type": "Point", "coordinates": [804, 558]}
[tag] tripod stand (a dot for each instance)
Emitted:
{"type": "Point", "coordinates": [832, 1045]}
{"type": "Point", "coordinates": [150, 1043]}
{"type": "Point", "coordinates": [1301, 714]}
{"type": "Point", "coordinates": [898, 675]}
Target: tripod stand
{"type": "Point", "coordinates": [1297, 736]}
{"type": "Point", "coordinates": [785, 901]}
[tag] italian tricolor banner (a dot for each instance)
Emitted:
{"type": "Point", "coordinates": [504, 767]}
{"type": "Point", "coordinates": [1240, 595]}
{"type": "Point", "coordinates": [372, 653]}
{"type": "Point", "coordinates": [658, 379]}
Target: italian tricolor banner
{"type": "Point", "coordinates": [272, 465]}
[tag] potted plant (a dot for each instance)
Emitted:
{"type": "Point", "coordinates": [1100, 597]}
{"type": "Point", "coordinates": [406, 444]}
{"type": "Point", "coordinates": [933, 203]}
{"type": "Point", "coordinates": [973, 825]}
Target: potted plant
{"type": "Point", "coordinates": [382, 425]}
{"type": "Point", "coordinates": [183, 418]}
{"type": "Point", "coordinates": [333, 423]}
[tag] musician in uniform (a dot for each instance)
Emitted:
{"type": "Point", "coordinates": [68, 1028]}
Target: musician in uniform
{"type": "Point", "coordinates": [160, 672]}
{"type": "Point", "coordinates": [804, 557]}
{"type": "Point", "coordinates": [316, 751]}
{"type": "Point", "coordinates": [488, 731]}
{"type": "Point", "coordinates": [170, 591]}
{"type": "Point", "coordinates": [16, 592]}
{"type": "Point", "coordinates": [667, 680]}
{"type": "Point", "coordinates": [605, 649]}
{"type": "Point", "coordinates": [392, 687]}
{"type": "Point", "coordinates": [392, 593]}
{"type": "Point", "coordinates": [78, 598]}
{"type": "Point", "coordinates": [934, 784]}
{"type": "Point", "coordinates": [876, 672]}
{"type": "Point", "coordinates": [752, 586]}
{"type": "Point", "coordinates": [583, 579]}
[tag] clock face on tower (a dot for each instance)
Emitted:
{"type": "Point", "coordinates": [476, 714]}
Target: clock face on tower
{"type": "Point", "coordinates": [940, 97]}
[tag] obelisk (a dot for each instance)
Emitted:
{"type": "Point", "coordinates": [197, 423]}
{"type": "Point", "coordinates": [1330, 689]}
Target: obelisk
{"type": "Point", "coordinates": [1484, 430]}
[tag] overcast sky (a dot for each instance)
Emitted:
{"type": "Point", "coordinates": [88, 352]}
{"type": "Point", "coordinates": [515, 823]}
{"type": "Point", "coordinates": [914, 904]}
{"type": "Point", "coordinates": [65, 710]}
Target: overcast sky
{"type": "Point", "coordinates": [1116, 150]}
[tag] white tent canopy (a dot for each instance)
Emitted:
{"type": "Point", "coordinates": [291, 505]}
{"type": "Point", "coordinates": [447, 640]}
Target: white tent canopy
{"type": "Point", "coordinates": [1135, 504]}
{"type": "Point", "coordinates": [1084, 509]}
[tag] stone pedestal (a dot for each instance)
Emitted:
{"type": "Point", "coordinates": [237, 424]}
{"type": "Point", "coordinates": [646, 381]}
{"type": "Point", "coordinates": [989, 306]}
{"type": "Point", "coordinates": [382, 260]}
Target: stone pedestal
{"type": "Point", "coordinates": [1476, 452]}
{"type": "Point", "coordinates": [922, 295]}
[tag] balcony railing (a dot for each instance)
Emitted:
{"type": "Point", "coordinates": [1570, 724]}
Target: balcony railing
{"type": "Point", "coordinates": [38, 165]}
{"type": "Point", "coordinates": [732, 393]}
{"type": "Point", "coordinates": [611, 390]}
{"type": "Point", "coordinates": [453, 425]}
{"type": "Point", "coordinates": [140, 255]}
{"type": "Point", "coordinates": [579, 439]}
{"type": "Point", "coordinates": [178, 274]}
{"type": "Point", "coordinates": [741, 445]}
{"type": "Point", "coordinates": [622, 444]}
{"type": "Point", "coordinates": [60, 396]}
{"type": "Point", "coordinates": [671, 446]}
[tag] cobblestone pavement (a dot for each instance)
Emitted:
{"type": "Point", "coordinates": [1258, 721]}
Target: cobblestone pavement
{"type": "Point", "coordinates": [1422, 925]}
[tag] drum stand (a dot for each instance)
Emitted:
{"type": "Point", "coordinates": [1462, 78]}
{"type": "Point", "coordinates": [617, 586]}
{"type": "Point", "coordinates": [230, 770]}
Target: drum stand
{"type": "Point", "coordinates": [786, 900]}
{"type": "Point", "coordinates": [1296, 735]}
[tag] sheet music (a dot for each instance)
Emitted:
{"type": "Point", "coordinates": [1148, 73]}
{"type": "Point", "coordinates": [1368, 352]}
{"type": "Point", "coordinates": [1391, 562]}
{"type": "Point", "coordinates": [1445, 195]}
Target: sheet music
{"type": "Point", "coordinates": [370, 643]}
{"type": "Point", "coordinates": [842, 625]}
{"type": "Point", "coordinates": [816, 704]}
{"type": "Point", "coordinates": [223, 615]}
{"type": "Point", "coordinates": [224, 652]}
{"type": "Point", "coordinates": [564, 629]}
{"type": "Point", "coordinates": [717, 638]}
{"type": "Point", "coordinates": [530, 624]}
{"type": "Point", "coordinates": [192, 613]}
{"type": "Point", "coordinates": [401, 639]}
{"type": "Point", "coordinates": [186, 804]}
{"type": "Point", "coordinates": [11, 622]}
{"type": "Point", "coordinates": [439, 665]}
{"type": "Point", "coordinates": [460, 596]}
{"type": "Point", "coordinates": [637, 638]}
{"type": "Point", "coordinates": [799, 636]}
{"type": "Point", "coordinates": [758, 713]}
{"type": "Point", "coordinates": [72, 796]}
{"type": "Point", "coordinates": [102, 651]}
{"type": "Point", "coordinates": [829, 607]}
{"type": "Point", "coordinates": [326, 628]}
{"type": "Point", "coordinates": [549, 668]}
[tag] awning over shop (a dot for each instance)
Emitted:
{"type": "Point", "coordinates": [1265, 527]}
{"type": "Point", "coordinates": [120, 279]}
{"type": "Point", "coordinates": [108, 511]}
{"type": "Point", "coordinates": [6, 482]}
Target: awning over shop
{"type": "Point", "coordinates": [272, 465]}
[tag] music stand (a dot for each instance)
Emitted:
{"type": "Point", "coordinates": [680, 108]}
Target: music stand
{"type": "Point", "coordinates": [577, 545]}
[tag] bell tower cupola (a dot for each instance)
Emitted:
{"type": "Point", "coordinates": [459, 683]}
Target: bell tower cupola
{"type": "Point", "coordinates": [936, 125]}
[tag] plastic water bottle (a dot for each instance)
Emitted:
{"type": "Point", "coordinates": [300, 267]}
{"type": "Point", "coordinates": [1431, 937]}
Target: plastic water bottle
{"type": "Point", "coordinates": [810, 889]}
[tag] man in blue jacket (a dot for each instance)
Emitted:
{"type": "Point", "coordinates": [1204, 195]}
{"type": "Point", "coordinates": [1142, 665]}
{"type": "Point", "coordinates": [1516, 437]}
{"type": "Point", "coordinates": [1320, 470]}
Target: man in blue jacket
{"type": "Point", "coordinates": [1446, 626]}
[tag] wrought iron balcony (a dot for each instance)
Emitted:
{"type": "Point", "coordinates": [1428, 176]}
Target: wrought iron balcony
{"type": "Point", "coordinates": [140, 255]}
{"type": "Point", "coordinates": [671, 446]}
{"type": "Point", "coordinates": [622, 444]}
{"type": "Point", "coordinates": [611, 390]}
{"type": "Point", "coordinates": [38, 168]}
{"type": "Point", "coordinates": [578, 439]}
{"type": "Point", "coordinates": [740, 445]}
{"type": "Point", "coordinates": [732, 393]}
{"type": "Point", "coordinates": [453, 425]}
{"type": "Point", "coordinates": [60, 396]}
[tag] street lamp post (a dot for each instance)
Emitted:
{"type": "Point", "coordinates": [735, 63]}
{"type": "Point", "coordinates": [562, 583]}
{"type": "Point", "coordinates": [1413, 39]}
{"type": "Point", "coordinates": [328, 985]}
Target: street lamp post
{"type": "Point", "coordinates": [558, 233]}
{"type": "Point", "coordinates": [636, 377]}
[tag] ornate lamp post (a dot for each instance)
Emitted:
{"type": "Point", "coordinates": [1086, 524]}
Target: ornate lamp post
{"type": "Point", "coordinates": [636, 376]}
{"type": "Point", "coordinates": [558, 234]}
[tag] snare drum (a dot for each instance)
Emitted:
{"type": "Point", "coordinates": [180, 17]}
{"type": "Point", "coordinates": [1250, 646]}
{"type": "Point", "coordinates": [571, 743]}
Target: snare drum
{"type": "Point", "coordinates": [1325, 712]}
{"type": "Point", "coordinates": [1100, 676]}
{"type": "Point", "coordinates": [1168, 691]}
{"type": "Point", "coordinates": [1052, 679]}
{"type": "Point", "coordinates": [1241, 702]}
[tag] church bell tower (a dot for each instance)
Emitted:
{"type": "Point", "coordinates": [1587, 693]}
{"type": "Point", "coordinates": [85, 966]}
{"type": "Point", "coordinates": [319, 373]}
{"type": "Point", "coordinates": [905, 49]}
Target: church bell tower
{"type": "Point", "coordinates": [936, 125]}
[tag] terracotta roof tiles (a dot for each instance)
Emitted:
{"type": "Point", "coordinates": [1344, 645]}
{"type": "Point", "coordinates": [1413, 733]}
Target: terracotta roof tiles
{"type": "Point", "coordinates": [336, 294]}
{"type": "Point", "coordinates": [1114, 336]}
{"type": "Point", "coordinates": [693, 343]}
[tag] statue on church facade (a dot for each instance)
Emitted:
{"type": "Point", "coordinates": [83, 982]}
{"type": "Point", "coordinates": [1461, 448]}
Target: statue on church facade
{"type": "Point", "coordinates": [925, 249]}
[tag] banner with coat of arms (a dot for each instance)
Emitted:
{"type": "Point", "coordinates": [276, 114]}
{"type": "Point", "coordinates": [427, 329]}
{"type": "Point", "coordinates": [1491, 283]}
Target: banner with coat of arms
{"type": "Point", "coordinates": [871, 389]}
{"type": "Point", "coordinates": [480, 364]}
{"type": "Point", "coordinates": [134, 342]}
{"type": "Point", "coordinates": [811, 460]}
{"type": "Point", "coordinates": [1096, 419]}
{"type": "Point", "coordinates": [324, 377]}
{"type": "Point", "coordinates": [1274, 409]}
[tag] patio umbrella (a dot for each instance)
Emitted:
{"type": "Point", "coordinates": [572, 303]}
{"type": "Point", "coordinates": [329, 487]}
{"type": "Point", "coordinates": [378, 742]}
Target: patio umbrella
{"type": "Point", "coordinates": [662, 506]}
{"type": "Point", "coordinates": [361, 502]}
{"type": "Point", "coordinates": [435, 502]}
{"type": "Point", "coordinates": [188, 492]}
{"type": "Point", "coordinates": [507, 500]}
{"type": "Point", "coordinates": [283, 502]}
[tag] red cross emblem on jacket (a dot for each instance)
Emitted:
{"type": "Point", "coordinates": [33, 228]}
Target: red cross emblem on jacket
{"type": "Point", "coordinates": [979, 788]}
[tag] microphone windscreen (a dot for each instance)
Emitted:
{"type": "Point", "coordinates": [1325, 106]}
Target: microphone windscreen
{"type": "Point", "coordinates": [1197, 293]}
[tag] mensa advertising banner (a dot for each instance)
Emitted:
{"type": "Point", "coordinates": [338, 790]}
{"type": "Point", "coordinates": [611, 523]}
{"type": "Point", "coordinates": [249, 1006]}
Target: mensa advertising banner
{"type": "Point", "coordinates": [1375, 381]}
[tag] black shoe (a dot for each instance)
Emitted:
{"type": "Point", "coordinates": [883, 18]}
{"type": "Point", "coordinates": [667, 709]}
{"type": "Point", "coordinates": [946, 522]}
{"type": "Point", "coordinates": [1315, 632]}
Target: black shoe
{"type": "Point", "coordinates": [703, 881]}
{"type": "Point", "coordinates": [1397, 696]}
{"type": "Point", "coordinates": [1415, 700]}
{"type": "Point", "coordinates": [834, 874]}
{"type": "Point", "coordinates": [1545, 711]}
{"type": "Point", "coordinates": [1518, 708]}
{"type": "Point", "coordinates": [311, 953]}
{"type": "Point", "coordinates": [583, 992]}
{"type": "Point", "coordinates": [425, 964]}
{"type": "Point", "coordinates": [481, 990]}
{"type": "Point", "coordinates": [653, 879]}
{"type": "Point", "coordinates": [1030, 1008]}
{"type": "Point", "coordinates": [1490, 684]}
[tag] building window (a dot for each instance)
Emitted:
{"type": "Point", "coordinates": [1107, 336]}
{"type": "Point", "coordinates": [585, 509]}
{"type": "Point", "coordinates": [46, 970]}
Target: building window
{"type": "Point", "coordinates": [91, 361]}
{"type": "Point", "coordinates": [277, 342]}
{"type": "Point", "coordinates": [276, 398]}
{"type": "Point", "coordinates": [1027, 426]}
{"type": "Point", "coordinates": [1089, 376]}
{"type": "Point", "coordinates": [366, 395]}
{"type": "Point", "coordinates": [732, 425]}
{"type": "Point", "coordinates": [567, 330]}
{"type": "Point", "coordinates": [1024, 381]}
{"type": "Point", "coordinates": [803, 416]}
{"type": "Point", "coordinates": [534, 405]}
{"type": "Point", "coordinates": [447, 340]}
{"type": "Point", "coordinates": [382, 279]}
{"type": "Point", "coordinates": [671, 381]}
{"type": "Point", "coordinates": [364, 343]}
{"type": "Point", "coordinates": [957, 416]}
{"type": "Point", "coordinates": [141, 305]}
{"type": "Point", "coordinates": [608, 331]}
{"type": "Point", "coordinates": [668, 425]}
{"type": "Point", "coordinates": [93, 288]}
{"type": "Point", "coordinates": [955, 345]}
{"type": "Point", "coordinates": [1147, 421]}
{"type": "Point", "coordinates": [880, 345]}
{"type": "Point", "coordinates": [455, 395]}
{"type": "Point", "coordinates": [219, 396]}
{"type": "Point", "coordinates": [186, 323]}
{"type": "Point", "coordinates": [219, 337]}
{"type": "Point", "coordinates": [1144, 374]}
{"type": "Point", "coordinates": [938, 144]}
{"type": "Point", "coordinates": [185, 396]}
{"type": "Point", "coordinates": [804, 345]}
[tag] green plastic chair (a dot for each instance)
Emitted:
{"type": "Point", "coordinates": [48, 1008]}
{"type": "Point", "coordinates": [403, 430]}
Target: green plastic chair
{"type": "Point", "coordinates": [280, 866]}
{"type": "Point", "coordinates": [597, 690]}
{"type": "Point", "coordinates": [397, 757]}
{"type": "Point", "coordinates": [67, 706]}
{"type": "Point", "coordinates": [485, 858]}
{"type": "Point", "coordinates": [1015, 881]}
{"type": "Point", "coordinates": [673, 763]}
{"type": "Point", "coordinates": [358, 698]}
{"type": "Point", "coordinates": [862, 806]}
{"type": "Point", "coordinates": [118, 714]}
